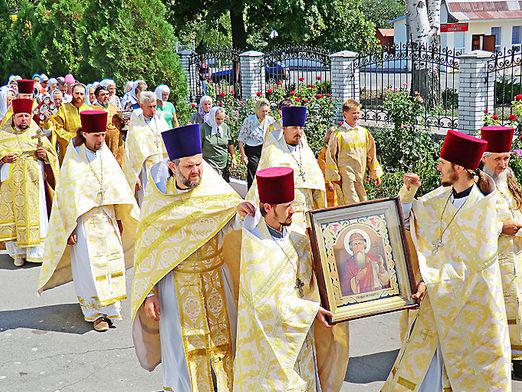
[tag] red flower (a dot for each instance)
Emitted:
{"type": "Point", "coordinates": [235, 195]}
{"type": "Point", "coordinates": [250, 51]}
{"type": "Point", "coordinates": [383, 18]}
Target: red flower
{"type": "Point", "coordinates": [486, 111]}
{"type": "Point", "coordinates": [518, 97]}
{"type": "Point", "coordinates": [193, 105]}
{"type": "Point", "coordinates": [340, 123]}
{"type": "Point", "coordinates": [279, 83]}
{"type": "Point", "coordinates": [292, 92]}
{"type": "Point", "coordinates": [301, 79]}
{"type": "Point", "coordinates": [232, 92]}
{"type": "Point", "coordinates": [513, 117]}
{"type": "Point", "coordinates": [269, 91]}
{"type": "Point", "coordinates": [222, 95]}
{"type": "Point", "coordinates": [318, 77]}
{"type": "Point", "coordinates": [259, 93]}
{"type": "Point", "coordinates": [328, 94]}
{"type": "Point", "coordinates": [297, 99]}
{"type": "Point", "coordinates": [494, 117]}
{"type": "Point", "coordinates": [220, 103]}
{"type": "Point", "coordinates": [319, 96]}
{"type": "Point", "coordinates": [312, 86]}
{"type": "Point", "coordinates": [304, 100]}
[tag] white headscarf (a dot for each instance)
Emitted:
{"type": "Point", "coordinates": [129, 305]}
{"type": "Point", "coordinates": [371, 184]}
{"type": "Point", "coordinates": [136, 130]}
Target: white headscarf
{"type": "Point", "coordinates": [3, 99]}
{"type": "Point", "coordinates": [210, 119]}
{"type": "Point", "coordinates": [160, 90]}
{"type": "Point", "coordinates": [204, 98]}
{"type": "Point", "coordinates": [107, 82]}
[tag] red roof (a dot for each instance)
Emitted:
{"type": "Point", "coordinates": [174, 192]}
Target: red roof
{"type": "Point", "coordinates": [464, 10]}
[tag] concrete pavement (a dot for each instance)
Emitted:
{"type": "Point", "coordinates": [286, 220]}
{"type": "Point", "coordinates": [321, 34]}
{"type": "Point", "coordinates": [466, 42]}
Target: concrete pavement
{"type": "Point", "coordinates": [46, 346]}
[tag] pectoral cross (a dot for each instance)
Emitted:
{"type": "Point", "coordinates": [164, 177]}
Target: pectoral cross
{"type": "Point", "coordinates": [299, 286]}
{"type": "Point", "coordinates": [39, 135]}
{"type": "Point", "coordinates": [436, 246]}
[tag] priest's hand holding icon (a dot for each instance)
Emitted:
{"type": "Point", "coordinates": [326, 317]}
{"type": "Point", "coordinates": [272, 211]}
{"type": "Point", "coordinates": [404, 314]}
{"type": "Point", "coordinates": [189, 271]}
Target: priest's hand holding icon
{"type": "Point", "coordinates": [511, 227]}
{"type": "Point", "coordinates": [152, 308]}
{"type": "Point", "coordinates": [72, 239]}
{"type": "Point", "coordinates": [421, 292]}
{"type": "Point", "coordinates": [10, 158]}
{"type": "Point", "coordinates": [41, 153]}
{"type": "Point", "coordinates": [321, 317]}
{"type": "Point", "coordinates": [246, 208]}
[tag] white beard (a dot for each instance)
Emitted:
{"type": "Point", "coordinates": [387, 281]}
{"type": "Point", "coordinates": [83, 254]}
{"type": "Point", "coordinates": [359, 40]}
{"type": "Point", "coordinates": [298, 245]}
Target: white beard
{"type": "Point", "coordinates": [500, 179]}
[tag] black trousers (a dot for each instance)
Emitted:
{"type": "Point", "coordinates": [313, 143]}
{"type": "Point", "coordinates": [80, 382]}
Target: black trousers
{"type": "Point", "coordinates": [253, 154]}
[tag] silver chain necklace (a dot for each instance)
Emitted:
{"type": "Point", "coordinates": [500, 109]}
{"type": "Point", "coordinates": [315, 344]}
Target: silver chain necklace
{"type": "Point", "coordinates": [438, 243]}
{"type": "Point", "coordinates": [101, 193]}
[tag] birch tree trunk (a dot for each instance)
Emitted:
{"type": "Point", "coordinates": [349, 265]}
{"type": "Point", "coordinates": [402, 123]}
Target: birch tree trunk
{"type": "Point", "coordinates": [424, 25]}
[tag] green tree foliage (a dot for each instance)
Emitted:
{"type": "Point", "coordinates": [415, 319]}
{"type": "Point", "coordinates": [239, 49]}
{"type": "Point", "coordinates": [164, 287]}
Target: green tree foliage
{"type": "Point", "coordinates": [19, 49]}
{"type": "Point", "coordinates": [130, 39]}
{"type": "Point", "coordinates": [380, 12]}
{"type": "Point", "coordinates": [333, 24]}
{"type": "Point", "coordinates": [58, 33]}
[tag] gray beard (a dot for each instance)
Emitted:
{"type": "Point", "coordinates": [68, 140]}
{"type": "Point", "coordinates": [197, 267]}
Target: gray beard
{"type": "Point", "coordinates": [360, 258]}
{"type": "Point", "coordinates": [500, 179]}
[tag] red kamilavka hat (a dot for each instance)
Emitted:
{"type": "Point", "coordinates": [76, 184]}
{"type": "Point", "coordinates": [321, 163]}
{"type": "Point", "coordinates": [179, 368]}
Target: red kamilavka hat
{"type": "Point", "coordinates": [275, 185]}
{"type": "Point", "coordinates": [25, 86]}
{"type": "Point", "coordinates": [463, 150]}
{"type": "Point", "coordinates": [22, 105]}
{"type": "Point", "coordinates": [499, 138]}
{"type": "Point", "coordinates": [93, 121]}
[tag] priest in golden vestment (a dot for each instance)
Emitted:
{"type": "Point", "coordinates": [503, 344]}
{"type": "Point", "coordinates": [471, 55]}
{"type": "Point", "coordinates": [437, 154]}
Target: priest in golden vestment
{"type": "Point", "coordinates": [182, 301]}
{"type": "Point", "coordinates": [67, 120]}
{"type": "Point", "coordinates": [459, 339]}
{"type": "Point", "coordinates": [113, 138]}
{"type": "Point", "coordinates": [278, 295]}
{"type": "Point", "coordinates": [25, 153]}
{"type": "Point", "coordinates": [143, 146]}
{"type": "Point", "coordinates": [93, 225]}
{"type": "Point", "coordinates": [496, 164]}
{"type": "Point", "coordinates": [288, 147]}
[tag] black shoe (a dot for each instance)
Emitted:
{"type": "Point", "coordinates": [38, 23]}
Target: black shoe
{"type": "Point", "coordinates": [517, 369]}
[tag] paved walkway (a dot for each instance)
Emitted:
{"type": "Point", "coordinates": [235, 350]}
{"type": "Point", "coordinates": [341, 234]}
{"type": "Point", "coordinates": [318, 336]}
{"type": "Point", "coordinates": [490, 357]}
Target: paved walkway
{"type": "Point", "coordinates": [46, 346]}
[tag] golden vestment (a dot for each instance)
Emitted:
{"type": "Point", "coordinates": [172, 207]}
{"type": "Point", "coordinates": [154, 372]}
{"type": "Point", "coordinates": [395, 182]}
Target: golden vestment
{"type": "Point", "coordinates": [194, 219]}
{"type": "Point", "coordinates": [113, 137]}
{"type": "Point", "coordinates": [463, 312]}
{"type": "Point", "coordinates": [143, 145]}
{"type": "Point", "coordinates": [275, 316]}
{"type": "Point", "coordinates": [350, 153]}
{"type": "Point", "coordinates": [66, 122]}
{"type": "Point", "coordinates": [101, 196]}
{"type": "Point", "coordinates": [331, 196]}
{"type": "Point", "coordinates": [20, 207]}
{"type": "Point", "coordinates": [510, 258]}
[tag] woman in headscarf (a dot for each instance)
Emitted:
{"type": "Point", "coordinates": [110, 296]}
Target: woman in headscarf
{"type": "Point", "coordinates": [205, 104]}
{"type": "Point", "coordinates": [216, 142]}
{"type": "Point", "coordinates": [132, 98]}
{"type": "Point", "coordinates": [162, 94]}
{"type": "Point", "coordinates": [7, 94]}
{"type": "Point", "coordinates": [89, 94]}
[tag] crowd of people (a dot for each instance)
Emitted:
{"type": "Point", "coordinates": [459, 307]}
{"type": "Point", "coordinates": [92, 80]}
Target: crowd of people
{"type": "Point", "coordinates": [224, 292]}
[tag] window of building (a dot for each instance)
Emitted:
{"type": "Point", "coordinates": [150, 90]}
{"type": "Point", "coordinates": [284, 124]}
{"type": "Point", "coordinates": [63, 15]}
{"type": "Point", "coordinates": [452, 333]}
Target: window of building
{"type": "Point", "coordinates": [496, 31]}
{"type": "Point", "coordinates": [458, 41]}
{"type": "Point", "coordinates": [516, 37]}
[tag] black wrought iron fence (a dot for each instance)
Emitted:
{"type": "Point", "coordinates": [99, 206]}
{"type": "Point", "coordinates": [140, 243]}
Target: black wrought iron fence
{"type": "Point", "coordinates": [216, 71]}
{"type": "Point", "coordinates": [429, 73]}
{"type": "Point", "coordinates": [505, 79]}
{"type": "Point", "coordinates": [290, 67]}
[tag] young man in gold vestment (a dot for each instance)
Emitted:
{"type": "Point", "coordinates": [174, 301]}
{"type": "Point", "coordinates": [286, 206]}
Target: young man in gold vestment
{"type": "Point", "coordinates": [182, 299]}
{"type": "Point", "coordinates": [25, 154]}
{"type": "Point", "coordinates": [459, 338]}
{"type": "Point", "coordinates": [496, 164]}
{"type": "Point", "coordinates": [350, 155]}
{"type": "Point", "coordinates": [93, 224]}
{"type": "Point", "coordinates": [278, 300]}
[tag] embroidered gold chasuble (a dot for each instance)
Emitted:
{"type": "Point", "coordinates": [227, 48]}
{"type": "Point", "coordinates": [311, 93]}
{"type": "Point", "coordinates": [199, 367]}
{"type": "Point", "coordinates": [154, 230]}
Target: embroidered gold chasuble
{"type": "Point", "coordinates": [308, 178]}
{"type": "Point", "coordinates": [274, 334]}
{"type": "Point", "coordinates": [510, 258]}
{"type": "Point", "coordinates": [66, 122]}
{"type": "Point", "coordinates": [143, 146]}
{"type": "Point", "coordinates": [349, 154]}
{"type": "Point", "coordinates": [19, 194]}
{"type": "Point", "coordinates": [79, 193]}
{"type": "Point", "coordinates": [178, 234]}
{"type": "Point", "coordinates": [463, 311]}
